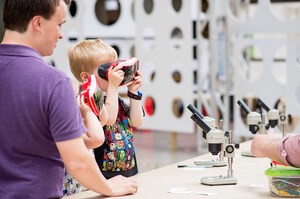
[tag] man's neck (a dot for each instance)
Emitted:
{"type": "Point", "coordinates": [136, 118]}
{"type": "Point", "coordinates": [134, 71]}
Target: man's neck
{"type": "Point", "coordinates": [14, 37]}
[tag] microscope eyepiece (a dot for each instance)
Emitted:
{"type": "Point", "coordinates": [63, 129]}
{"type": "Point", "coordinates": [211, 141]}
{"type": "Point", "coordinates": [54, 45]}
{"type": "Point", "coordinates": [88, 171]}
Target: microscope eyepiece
{"type": "Point", "coordinates": [262, 104]}
{"type": "Point", "coordinates": [244, 106]}
{"type": "Point", "coordinates": [194, 110]}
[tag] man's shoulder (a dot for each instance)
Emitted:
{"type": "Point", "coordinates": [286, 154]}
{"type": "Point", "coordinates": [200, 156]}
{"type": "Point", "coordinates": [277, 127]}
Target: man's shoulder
{"type": "Point", "coordinates": [44, 70]}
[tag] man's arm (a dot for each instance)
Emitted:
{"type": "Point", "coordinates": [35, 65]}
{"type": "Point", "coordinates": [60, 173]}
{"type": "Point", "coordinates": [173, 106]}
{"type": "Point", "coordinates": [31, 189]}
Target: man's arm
{"type": "Point", "coordinates": [83, 167]}
{"type": "Point", "coordinates": [266, 146]}
{"type": "Point", "coordinates": [285, 151]}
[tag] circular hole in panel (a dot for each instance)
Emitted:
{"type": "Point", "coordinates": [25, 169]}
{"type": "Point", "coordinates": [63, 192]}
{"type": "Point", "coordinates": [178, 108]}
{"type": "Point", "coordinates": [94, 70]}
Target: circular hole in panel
{"type": "Point", "coordinates": [152, 76]}
{"type": "Point", "coordinates": [250, 102]}
{"type": "Point", "coordinates": [176, 72]}
{"type": "Point", "coordinates": [176, 76]}
{"type": "Point", "coordinates": [132, 10]}
{"type": "Point", "coordinates": [176, 38]}
{"type": "Point", "coordinates": [279, 65]}
{"type": "Point", "coordinates": [243, 10]}
{"type": "Point", "coordinates": [252, 62]}
{"type": "Point", "coordinates": [107, 11]}
{"type": "Point", "coordinates": [73, 36]}
{"type": "Point", "coordinates": [292, 120]}
{"type": "Point", "coordinates": [148, 6]}
{"type": "Point", "coordinates": [148, 71]}
{"type": "Point", "coordinates": [285, 10]}
{"type": "Point", "coordinates": [132, 51]}
{"type": "Point", "coordinates": [204, 6]}
{"type": "Point", "coordinates": [205, 31]}
{"type": "Point", "coordinates": [149, 106]}
{"type": "Point", "coordinates": [148, 41]}
{"type": "Point", "coordinates": [117, 49]}
{"type": "Point", "coordinates": [177, 4]}
{"type": "Point", "coordinates": [73, 8]}
{"type": "Point", "coordinates": [177, 107]}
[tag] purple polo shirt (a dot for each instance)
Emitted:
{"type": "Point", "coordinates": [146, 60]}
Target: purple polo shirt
{"type": "Point", "coordinates": [289, 150]}
{"type": "Point", "coordinates": [37, 109]}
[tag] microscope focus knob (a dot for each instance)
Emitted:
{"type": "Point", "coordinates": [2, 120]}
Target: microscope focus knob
{"type": "Point", "coordinates": [237, 145]}
{"type": "Point", "coordinates": [282, 117]}
{"type": "Point", "coordinates": [226, 134]}
{"type": "Point", "coordinates": [229, 149]}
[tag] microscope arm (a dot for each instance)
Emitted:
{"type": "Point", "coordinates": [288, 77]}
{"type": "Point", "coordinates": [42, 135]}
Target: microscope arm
{"type": "Point", "coordinates": [262, 104]}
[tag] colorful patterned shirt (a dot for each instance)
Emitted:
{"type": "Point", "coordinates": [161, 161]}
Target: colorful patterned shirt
{"type": "Point", "coordinates": [117, 155]}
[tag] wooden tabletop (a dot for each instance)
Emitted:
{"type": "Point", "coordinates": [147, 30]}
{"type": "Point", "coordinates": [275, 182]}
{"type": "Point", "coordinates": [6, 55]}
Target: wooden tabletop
{"type": "Point", "coordinates": [156, 184]}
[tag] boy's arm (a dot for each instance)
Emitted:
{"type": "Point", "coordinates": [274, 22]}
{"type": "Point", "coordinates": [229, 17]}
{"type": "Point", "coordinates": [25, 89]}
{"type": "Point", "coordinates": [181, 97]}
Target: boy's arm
{"type": "Point", "coordinates": [94, 137]}
{"type": "Point", "coordinates": [112, 104]}
{"type": "Point", "coordinates": [83, 167]}
{"type": "Point", "coordinates": [103, 118]}
{"type": "Point", "coordinates": [115, 77]}
{"type": "Point", "coordinates": [136, 111]}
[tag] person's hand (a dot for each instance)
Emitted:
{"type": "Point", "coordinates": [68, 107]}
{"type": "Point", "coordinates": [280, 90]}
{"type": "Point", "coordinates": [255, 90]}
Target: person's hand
{"type": "Point", "coordinates": [258, 142]}
{"type": "Point", "coordinates": [122, 185]}
{"type": "Point", "coordinates": [84, 108]}
{"type": "Point", "coordinates": [137, 83]}
{"type": "Point", "coordinates": [115, 76]}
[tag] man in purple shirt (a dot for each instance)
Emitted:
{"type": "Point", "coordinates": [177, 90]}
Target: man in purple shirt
{"type": "Point", "coordinates": [285, 151]}
{"type": "Point", "coordinates": [40, 123]}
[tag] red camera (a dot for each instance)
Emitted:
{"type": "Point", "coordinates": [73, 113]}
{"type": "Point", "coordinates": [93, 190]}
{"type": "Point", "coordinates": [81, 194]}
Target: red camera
{"type": "Point", "coordinates": [129, 67]}
{"type": "Point", "coordinates": [92, 94]}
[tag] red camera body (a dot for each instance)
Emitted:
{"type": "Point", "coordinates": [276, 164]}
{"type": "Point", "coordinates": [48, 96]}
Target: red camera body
{"type": "Point", "coordinates": [92, 94]}
{"type": "Point", "coordinates": [129, 67]}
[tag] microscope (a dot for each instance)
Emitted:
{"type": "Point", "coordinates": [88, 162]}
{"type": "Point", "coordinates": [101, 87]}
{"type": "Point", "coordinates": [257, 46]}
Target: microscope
{"type": "Point", "coordinates": [256, 123]}
{"type": "Point", "coordinates": [218, 142]}
{"type": "Point", "coordinates": [274, 117]}
{"type": "Point", "coordinates": [219, 162]}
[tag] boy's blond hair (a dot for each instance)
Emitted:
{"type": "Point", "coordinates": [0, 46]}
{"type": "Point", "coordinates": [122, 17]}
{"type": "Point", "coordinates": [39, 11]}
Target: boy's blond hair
{"type": "Point", "coordinates": [84, 56]}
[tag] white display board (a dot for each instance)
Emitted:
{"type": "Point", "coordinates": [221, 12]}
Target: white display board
{"type": "Point", "coordinates": [162, 55]}
{"type": "Point", "coordinates": [267, 85]}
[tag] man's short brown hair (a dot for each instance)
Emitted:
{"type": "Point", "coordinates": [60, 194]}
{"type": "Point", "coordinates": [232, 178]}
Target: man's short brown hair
{"type": "Point", "coordinates": [18, 13]}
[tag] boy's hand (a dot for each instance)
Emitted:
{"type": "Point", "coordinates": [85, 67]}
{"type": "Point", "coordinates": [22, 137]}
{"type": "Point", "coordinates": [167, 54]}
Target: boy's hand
{"type": "Point", "coordinates": [84, 108]}
{"type": "Point", "coordinates": [137, 83]}
{"type": "Point", "coordinates": [115, 76]}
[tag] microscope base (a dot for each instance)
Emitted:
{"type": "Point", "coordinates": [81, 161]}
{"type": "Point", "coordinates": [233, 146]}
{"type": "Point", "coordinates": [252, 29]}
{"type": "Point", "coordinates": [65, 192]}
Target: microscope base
{"type": "Point", "coordinates": [247, 154]}
{"type": "Point", "coordinates": [218, 180]}
{"type": "Point", "coordinates": [214, 163]}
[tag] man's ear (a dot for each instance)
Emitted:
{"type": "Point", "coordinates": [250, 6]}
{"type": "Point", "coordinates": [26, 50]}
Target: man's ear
{"type": "Point", "coordinates": [84, 76]}
{"type": "Point", "coordinates": [36, 22]}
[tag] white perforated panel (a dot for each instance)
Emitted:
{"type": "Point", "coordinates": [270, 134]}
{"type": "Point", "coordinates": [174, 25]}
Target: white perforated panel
{"type": "Point", "coordinates": [275, 79]}
{"type": "Point", "coordinates": [160, 54]}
